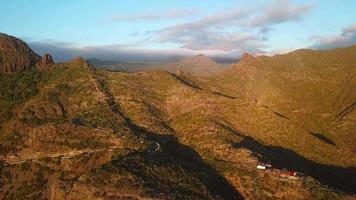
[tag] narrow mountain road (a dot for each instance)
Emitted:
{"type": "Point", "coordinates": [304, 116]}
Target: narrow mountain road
{"type": "Point", "coordinates": [154, 148]}
{"type": "Point", "coordinates": [68, 155]}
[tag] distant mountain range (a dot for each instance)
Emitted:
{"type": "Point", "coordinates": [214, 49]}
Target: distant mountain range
{"type": "Point", "coordinates": [98, 62]}
{"type": "Point", "coordinates": [196, 65]}
{"type": "Point", "coordinates": [62, 54]}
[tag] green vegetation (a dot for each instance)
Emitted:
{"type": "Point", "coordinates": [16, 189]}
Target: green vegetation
{"type": "Point", "coordinates": [25, 166]}
{"type": "Point", "coordinates": [212, 131]}
{"type": "Point", "coordinates": [10, 142]}
{"type": "Point", "coordinates": [16, 89]}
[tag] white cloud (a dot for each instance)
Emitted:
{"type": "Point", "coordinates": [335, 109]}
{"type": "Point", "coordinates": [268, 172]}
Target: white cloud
{"type": "Point", "coordinates": [276, 52]}
{"type": "Point", "coordinates": [151, 16]}
{"type": "Point", "coordinates": [277, 12]}
{"type": "Point", "coordinates": [64, 51]}
{"type": "Point", "coordinates": [229, 33]}
{"type": "Point", "coordinates": [211, 33]}
{"type": "Point", "coordinates": [346, 38]}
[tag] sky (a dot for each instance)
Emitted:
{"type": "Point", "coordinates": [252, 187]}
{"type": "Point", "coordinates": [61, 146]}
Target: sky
{"type": "Point", "coordinates": [144, 29]}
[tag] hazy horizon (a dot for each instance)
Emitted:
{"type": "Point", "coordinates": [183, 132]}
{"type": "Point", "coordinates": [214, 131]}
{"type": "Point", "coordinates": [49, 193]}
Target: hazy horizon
{"type": "Point", "coordinates": [172, 100]}
{"type": "Point", "coordinates": [126, 30]}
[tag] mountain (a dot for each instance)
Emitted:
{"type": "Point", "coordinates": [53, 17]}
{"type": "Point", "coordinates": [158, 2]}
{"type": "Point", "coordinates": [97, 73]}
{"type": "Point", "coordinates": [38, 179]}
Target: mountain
{"type": "Point", "coordinates": [312, 87]}
{"type": "Point", "coordinates": [128, 66]}
{"type": "Point", "coordinates": [15, 55]}
{"type": "Point", "coordinates": [98, 62]}
{"type": "Point", "coordinates": [225, 60]}
{"type": "Point", "coordinates": [197, 65]}
{"type": "Point", "coordinates": [76, 132]}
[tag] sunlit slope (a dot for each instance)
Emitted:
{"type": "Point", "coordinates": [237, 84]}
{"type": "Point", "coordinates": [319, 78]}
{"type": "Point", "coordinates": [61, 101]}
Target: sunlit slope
{"type": "Point", "coordinates": [59, 112]}
{"type": "Point", "coordinates": [313, 88]}
{"type": "Point", "coordinates": [217, 126]}
{"type": "Point", "coordinates": [91, 133]}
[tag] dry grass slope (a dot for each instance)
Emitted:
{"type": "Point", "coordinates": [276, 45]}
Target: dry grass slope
{"type": "Point", "coordinates": [86, 133]}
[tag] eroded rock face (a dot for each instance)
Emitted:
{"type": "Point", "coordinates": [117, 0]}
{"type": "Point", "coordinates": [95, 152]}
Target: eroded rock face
{"type": "Point", "coordinates": [179, 72]}
{"type": "Point", "coordinates": [41, 112]}
{"type": "Point", "coordinates": [45, 61]}
{"type": "Point", "coordinates": [15, 55]}
{"type": "Point", "coordinates": [246, 56]}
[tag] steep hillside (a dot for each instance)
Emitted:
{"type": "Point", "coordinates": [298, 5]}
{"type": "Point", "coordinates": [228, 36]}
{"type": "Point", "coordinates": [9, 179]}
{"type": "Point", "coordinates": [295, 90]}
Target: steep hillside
{"type": "Point", "coordinates": [312, 88]}
{"type": "Point", "coordinates": [113, 123]}
{"type": "Point", "coordinates": [72, 133]}
{"type": "Point", "coordinates": [68, 131]}
{"type": "Point", "coordinates": [15, 55]}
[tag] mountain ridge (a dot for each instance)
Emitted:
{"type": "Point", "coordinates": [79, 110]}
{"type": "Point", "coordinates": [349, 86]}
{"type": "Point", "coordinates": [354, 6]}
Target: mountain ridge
{"type": "Point", "coordinates": [200, 65]}
{"type": "Point", "coordinates": [15, 55]}
{"type": "Point", "coordinates": [73, 132]}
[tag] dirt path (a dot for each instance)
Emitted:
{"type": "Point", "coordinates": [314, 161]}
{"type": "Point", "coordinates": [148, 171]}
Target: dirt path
{"type": "Point", "coordinates": [68, 155]}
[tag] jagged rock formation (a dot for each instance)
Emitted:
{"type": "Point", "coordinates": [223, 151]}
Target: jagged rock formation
{"type": "Point", "coordinates": [46, 61]}
{"type": "Point", "coordinates": [15, 55]}
{"type": "Point", "coordinates": [246, 57]}
{"type": "Point", "coordinates": [179, 72]}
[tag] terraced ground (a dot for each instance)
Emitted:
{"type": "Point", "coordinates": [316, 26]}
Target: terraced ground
{"type": "Point", "coordinates": [73, 132]}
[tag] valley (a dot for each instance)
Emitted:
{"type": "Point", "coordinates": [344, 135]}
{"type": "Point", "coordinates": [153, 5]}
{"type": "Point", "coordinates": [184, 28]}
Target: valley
{"type": "Point", "coordinates": [73, 131]}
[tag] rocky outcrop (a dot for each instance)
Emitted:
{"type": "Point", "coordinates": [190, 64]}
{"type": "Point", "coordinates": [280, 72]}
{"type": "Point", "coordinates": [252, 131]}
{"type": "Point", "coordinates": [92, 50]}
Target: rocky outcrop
{"type": "Point", "coordinates": [42, 112]}
{"type": "Point", "coordinates": [246, 57]}
{"type": "Point", "coordinates": [46, 61]}
{"type": "Point", "coordinates": [15, 55]}
{"type": "Point", "coordinates": [179, 72]}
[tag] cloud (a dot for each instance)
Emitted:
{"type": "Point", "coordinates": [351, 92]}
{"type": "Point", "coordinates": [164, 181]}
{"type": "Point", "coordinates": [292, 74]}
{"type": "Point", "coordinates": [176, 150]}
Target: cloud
{"type": "Point", "coordinates": [346, 38]}
{"type": "Point", "coordinates": [279, 11]}
{"type": "Point", "coordinates": [67, 51]}
{"type": "Point", "coordinates": [351, 29]}
{"type": "Point", "coordinates": [214, 31]}
{"type": "Point", "coordinates": [150, 16]}
{"type": "Point", "coordinates": [204, 33]}
{"type": "Point", "coordinates": [227, 34]}
{"type": "Point", "coordinates": [277, 52]}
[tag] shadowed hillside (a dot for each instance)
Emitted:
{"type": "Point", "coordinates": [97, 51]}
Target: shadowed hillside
{"type": "Point", "coordinates": [320, 80]}
{"type": "Point", "coordinates": [69, 131]}
{"type": "Point", "coordinates": [311, 88]}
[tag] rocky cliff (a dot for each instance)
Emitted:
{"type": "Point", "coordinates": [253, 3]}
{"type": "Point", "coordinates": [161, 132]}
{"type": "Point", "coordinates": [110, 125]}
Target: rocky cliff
{"type": "Point", "coordinates": [46, 61]}
{"type": "Point", "coordinates": [15, 55]}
